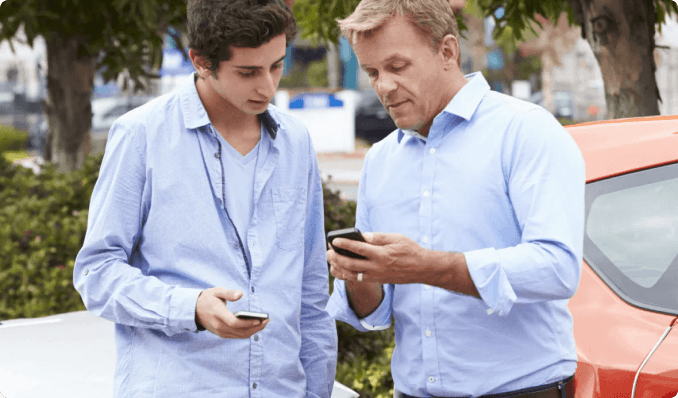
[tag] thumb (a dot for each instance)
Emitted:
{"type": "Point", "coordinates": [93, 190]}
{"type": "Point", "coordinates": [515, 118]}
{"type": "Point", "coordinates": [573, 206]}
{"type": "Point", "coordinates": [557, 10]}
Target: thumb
{"type": "Point", "coordinates": [227, 295]}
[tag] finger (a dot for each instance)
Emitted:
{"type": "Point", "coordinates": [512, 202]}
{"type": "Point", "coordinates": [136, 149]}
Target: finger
{"type": "Point", "coordinates": [357, 247]}
{"type": "Point", "coordinates": [227, 295]}
{"type": "Point", "coordinates": [336, 273]}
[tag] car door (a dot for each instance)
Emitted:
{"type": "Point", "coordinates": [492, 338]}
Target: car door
{"type": "Point", "coordinates": [658, 377]}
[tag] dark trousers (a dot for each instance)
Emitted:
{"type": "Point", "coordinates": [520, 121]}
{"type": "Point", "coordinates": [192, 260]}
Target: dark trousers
{"type": "Point", "coordinates": [560, 389]}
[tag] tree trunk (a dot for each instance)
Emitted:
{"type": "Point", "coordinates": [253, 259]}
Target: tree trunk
{"type": "Point", "coordinates": [621, 34]}
{"type": "Point", "coordinates": [68, 107]}
{"type": "Point", "coordinates": [333, 78]}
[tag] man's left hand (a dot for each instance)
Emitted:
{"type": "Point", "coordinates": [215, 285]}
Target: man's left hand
{"type": "Point", "coordinates": [391, 258]}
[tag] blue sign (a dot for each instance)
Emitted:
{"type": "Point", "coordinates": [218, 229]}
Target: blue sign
{"type": "Point", "coordinates": [315, 101]}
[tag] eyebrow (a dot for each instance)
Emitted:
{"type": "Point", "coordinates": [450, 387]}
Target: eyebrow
{"type": "Point", "coordinates": [394, 57]}
{"type": "Point", "coordinates": [259, 67]}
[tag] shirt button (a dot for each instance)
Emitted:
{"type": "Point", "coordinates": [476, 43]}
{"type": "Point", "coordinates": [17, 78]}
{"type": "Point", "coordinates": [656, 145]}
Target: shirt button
{"type": "Point", "coordinates": [216, 155]}
{"type": "Point", "coordinates": [427, 287]}
{"type": "Point", "coordinates": [236, 245]}
{"type": "Point", "coordinates": [86, 271]}
{"type": "Point", "coordinates": [490, 311]}
{"type": "Point", "coordinates": [256, 337]}
{"type": "Point", "coordinates": [431, 379]}
{"type": "Point", "coordinates": [426, 194]}
{"type": "Point", "coordinates": [425, 239]}
{"type": "Point", "coordinates": [252, 289]}
{"type": "Point", "coordinates": [254, 386]}
{"type": "Point", "coordinates": [428, 333]}
{"type": "Point", "coordinates": [187, 329]}
{"type": "Point", "coordinates": [432, 151]}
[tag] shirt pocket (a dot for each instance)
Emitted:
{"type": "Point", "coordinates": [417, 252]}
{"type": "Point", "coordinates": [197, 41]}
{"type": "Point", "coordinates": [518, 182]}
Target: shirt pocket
{"type": "Point", "coordinates": [289, 206]}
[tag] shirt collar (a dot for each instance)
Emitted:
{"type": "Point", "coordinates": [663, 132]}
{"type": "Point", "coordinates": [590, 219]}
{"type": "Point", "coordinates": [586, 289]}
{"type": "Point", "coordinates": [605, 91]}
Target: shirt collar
{"type": "Point", "coordinates": [195, 115]}
{"type": "Point", "coordinates": [463, 104]}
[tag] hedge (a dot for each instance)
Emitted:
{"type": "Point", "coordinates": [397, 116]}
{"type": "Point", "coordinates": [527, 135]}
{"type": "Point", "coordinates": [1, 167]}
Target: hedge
{"type": "Point", "coordinates": [12, 140]}
{"type": "Point", "coordinates": [43, 219]}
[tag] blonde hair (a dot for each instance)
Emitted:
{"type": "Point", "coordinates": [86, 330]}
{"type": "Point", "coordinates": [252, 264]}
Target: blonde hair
{"type": "Point", "coordinates": [434, 19]}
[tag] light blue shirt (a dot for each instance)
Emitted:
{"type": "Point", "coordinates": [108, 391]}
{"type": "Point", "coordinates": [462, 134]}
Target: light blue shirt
{"type": "Point", "coordinates": [239, 186]}
{"type": "Point", "coordinates": [158, 234]}
{"type": "Point", "coordinates": [501, 181]}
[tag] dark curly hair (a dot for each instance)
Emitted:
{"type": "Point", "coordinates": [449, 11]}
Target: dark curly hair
{"type": "Point", "coordinates": [216, 25]}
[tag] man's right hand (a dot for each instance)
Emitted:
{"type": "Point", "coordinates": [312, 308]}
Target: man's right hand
{"type": "Point", "coordinates": [213, 315]}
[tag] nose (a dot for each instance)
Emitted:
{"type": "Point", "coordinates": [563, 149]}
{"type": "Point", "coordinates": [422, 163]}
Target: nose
{"type": "Point", "coordinates": [385, 85]}
{"type": "Point", "coordinates": [267, 85]}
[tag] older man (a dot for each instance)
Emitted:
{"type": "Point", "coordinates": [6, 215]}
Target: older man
{"type": "Point", "coordinates": [474, 214]}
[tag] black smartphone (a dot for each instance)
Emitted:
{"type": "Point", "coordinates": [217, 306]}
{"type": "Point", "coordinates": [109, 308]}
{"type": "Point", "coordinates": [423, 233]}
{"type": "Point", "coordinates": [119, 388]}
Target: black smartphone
{"type": "Point", "coordinates": [251, 315]}
{"type": "Point", "coordinates": [348, 233]}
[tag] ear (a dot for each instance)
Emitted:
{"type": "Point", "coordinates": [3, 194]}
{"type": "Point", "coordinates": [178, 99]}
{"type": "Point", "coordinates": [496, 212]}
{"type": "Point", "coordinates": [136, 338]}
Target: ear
{"type": "Point", "coordinates": [449, 50]}
{"type": "Point", "coordinates": [200, 63]}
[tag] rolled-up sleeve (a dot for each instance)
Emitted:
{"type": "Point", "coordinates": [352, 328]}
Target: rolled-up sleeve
{"type": "Point", "coordinates": [110, 287]}
{"type": "Point", "coordinates": [318, 329]}
{"type": "Point", "coordinates": [545, 177]}
{"type": "Point", "coordinates": [379, 319]}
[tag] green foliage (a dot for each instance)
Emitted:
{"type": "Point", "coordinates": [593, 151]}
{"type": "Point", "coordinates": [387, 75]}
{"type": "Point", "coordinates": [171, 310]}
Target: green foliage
{"type": "Point", "coordinates": [42, 226]}
{"type": "Point", "coordinates": [317, 73]}
{"type": "Point", "coordinates": [12, 140]}
{"type": "Point", "coordinates": [125, 35]}
{"type": "Point", "coordinates": [317, 18]}
{"type": "Point", "coordinates": [520, 17]}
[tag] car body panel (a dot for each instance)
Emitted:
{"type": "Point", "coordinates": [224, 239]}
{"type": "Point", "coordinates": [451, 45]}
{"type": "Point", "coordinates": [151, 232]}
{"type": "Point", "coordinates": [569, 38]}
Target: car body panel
{"type": "Point", "coordinates": [613, 337]}
{"type": "Point", "coordinates": [659, 376]}
{"type": "Point", "coordinates": [620, 146]}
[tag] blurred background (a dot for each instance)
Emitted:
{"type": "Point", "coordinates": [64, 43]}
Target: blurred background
{"type": "Point", "coordinates": [68, 71]}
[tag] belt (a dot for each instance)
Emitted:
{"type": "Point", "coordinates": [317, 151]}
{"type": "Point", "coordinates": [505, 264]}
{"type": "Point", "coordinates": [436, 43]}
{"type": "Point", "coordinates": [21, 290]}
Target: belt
{"type": "Point", "coordinates": [560, 389]}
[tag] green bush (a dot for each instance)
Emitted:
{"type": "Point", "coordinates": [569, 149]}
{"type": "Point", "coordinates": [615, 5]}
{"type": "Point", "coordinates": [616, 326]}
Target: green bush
{"type": "Point", "coordinates": [43, 219]}
{"type": "Point", "coordinates": [42, 226]}
{"type": "Point", "coordinates": [12, 140]}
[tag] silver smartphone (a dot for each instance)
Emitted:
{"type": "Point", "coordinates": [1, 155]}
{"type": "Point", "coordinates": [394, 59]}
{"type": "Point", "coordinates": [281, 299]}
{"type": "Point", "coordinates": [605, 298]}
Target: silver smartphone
{"type": "Point", "coordinates": [251, 315]}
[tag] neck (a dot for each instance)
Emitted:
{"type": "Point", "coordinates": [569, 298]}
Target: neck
{"type": "Point", "coordinates": [455, 84]}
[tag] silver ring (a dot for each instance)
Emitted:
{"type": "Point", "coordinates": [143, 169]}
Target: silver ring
{"type": "Point", "coordinates": [360, 276]}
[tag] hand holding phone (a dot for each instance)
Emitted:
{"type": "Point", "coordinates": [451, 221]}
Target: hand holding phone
{"type": "Point", "coordinates": [348, 233]}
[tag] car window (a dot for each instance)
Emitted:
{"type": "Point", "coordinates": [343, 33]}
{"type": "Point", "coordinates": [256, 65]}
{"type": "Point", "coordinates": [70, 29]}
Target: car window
{"type": "Point", "coordinates": [631, 237]}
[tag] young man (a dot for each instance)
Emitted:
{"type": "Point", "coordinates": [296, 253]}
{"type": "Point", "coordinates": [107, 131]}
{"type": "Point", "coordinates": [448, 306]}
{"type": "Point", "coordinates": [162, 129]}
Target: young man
{"type": "Point", "coordinates": [209, 202]}
{"type": "Point", "coordinates": [476, 204]}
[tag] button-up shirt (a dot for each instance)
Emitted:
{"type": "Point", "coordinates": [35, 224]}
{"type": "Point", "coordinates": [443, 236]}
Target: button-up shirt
{"type": "Point", "coordinates": [501, 181]}
{"type": "Point", "coordinates": [158, 233]}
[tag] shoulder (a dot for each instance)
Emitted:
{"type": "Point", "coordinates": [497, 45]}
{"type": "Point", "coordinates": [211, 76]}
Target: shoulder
{"type": "Point", "coordinates": [151, 118]}
{"type": "Point", "coordinates": [520, 119]}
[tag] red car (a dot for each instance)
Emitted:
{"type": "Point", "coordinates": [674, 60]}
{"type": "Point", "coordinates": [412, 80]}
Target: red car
{"type": "Point", "coordinates": [625, 310]}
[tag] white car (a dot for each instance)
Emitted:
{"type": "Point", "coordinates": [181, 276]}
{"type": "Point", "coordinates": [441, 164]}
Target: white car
{"type": "Point", "coordinates": [68, 355]}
